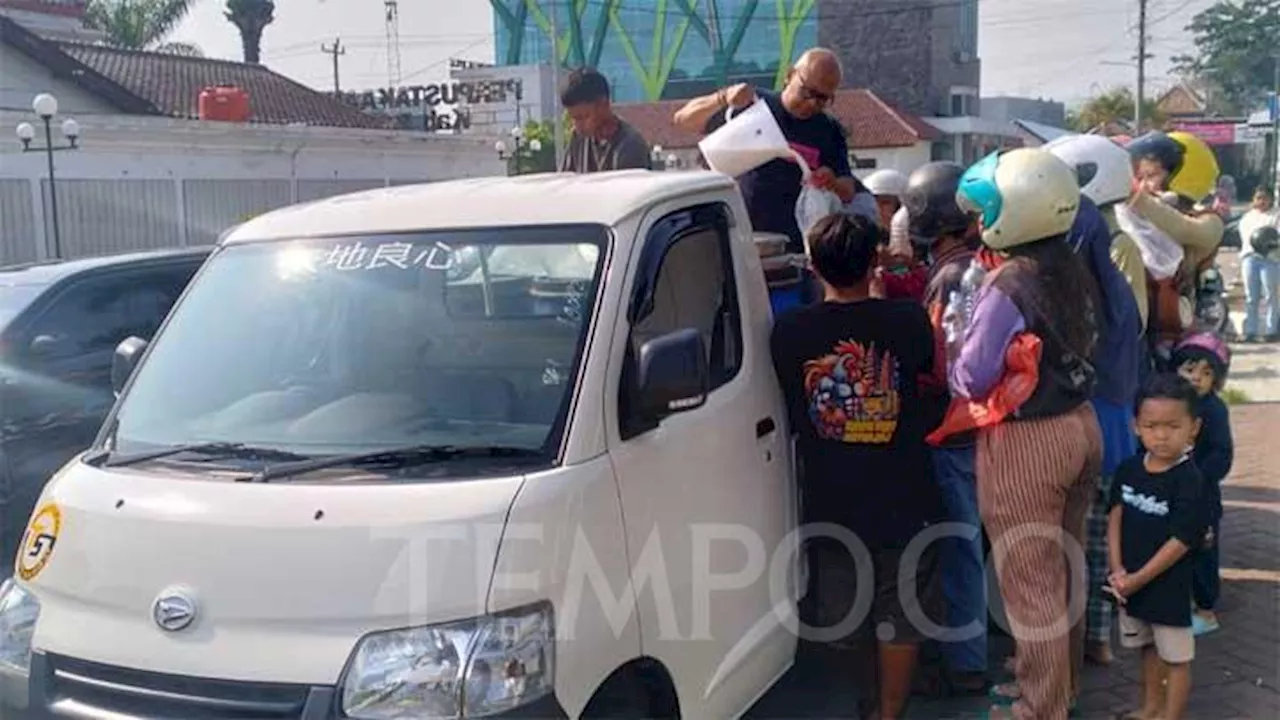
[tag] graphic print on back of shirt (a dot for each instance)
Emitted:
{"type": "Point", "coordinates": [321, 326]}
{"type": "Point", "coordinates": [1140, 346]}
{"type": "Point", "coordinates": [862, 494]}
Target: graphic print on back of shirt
{"type": "Point", "coordinates": [853, 394]}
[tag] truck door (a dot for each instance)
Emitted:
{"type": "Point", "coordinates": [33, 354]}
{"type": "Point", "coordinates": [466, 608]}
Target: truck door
{"type": "Point", "coordinates": [707, 493]}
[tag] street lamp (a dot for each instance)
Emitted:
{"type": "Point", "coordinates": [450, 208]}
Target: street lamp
{"type": "Point", "coordinates": [663, 162]}
{"type": "Point", "coordinates": [46, 106]}
{"type": "Point", "coordinates": [518, 144]}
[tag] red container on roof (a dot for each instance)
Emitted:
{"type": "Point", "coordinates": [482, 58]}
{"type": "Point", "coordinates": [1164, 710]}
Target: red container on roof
{"type": "Point", "coordinates": [224, 103]}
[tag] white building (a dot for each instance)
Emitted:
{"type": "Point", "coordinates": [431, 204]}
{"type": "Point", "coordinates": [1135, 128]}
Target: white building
{"type": "Point", "coordinates": [148, 173]}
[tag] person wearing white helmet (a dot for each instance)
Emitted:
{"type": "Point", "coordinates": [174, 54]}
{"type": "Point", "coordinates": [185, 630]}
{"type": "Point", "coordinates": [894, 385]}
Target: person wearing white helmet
{"type": "Point", "coordinates": [1036, 467]}
{"type": "Point", "coordinates": [887, 186]}
{"type": "Point", "coordinates": [1106, 177]}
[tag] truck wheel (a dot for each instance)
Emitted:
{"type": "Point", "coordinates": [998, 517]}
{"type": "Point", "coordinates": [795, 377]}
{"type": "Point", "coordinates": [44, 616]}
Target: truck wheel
{"type": "Point", "coordinates": [632, 694]}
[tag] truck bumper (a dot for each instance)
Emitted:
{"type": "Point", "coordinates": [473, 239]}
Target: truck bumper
{"type": "Point", "coordinates": [63, 688]}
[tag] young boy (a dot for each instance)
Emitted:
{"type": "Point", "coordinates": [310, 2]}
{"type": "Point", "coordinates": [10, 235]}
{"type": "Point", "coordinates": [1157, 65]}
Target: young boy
{"type": "Point", "coordinates": [1203, 359]}
{"type": "Point", "coordinates": [1155, 522]}
{"type": "Point", "coordinates": [848, 367]}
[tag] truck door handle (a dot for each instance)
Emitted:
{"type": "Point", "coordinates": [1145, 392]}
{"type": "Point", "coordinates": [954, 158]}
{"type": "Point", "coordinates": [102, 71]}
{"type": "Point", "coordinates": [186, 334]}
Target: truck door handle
{"type": "Point", "coordinates": [765, 426]}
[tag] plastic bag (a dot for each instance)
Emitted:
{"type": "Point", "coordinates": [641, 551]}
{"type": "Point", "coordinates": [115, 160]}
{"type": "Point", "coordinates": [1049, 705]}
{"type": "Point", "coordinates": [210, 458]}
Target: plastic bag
{"type": "Point", "coordinates": [1160, 253]}
{"type": "Point", "coordinates": [1021, 375]}
{"type": "Point", "coordinates": [813, 203]}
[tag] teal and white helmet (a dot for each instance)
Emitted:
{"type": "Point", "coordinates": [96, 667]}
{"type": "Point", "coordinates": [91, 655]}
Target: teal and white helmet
{"type": "Point", "coordinates": [1020, 196]}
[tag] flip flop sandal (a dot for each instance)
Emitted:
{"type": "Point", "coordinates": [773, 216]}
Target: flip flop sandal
{"type": "Point", "coordinates": [1004, 694]}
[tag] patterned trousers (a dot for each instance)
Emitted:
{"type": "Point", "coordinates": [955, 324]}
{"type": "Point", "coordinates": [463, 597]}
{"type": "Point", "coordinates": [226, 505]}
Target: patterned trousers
{"type": "Point", "coordinates": [1035, 483]}
{"type": "Point", "coordinates": [1098, 619]}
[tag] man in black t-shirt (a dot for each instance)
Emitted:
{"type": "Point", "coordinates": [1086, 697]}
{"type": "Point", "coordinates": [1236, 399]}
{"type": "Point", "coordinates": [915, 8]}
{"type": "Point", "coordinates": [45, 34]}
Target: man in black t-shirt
{"type": "Point", "coordinates": [771, 190]}
{"type": "Point", "coordinates": [1156, 519]}
{"type": "Point", "coordinates": [849, 367]}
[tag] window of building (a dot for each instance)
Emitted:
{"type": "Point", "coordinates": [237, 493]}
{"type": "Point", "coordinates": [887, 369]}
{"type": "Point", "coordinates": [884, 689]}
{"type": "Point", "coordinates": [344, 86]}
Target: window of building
{"type": "Point", "coordinates": [864, 163]}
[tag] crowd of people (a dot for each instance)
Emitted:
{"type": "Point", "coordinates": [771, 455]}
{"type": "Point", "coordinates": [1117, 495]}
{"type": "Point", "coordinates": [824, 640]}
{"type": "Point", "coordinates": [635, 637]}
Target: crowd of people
{"type": "Point", "coordinates": [1011, 348]}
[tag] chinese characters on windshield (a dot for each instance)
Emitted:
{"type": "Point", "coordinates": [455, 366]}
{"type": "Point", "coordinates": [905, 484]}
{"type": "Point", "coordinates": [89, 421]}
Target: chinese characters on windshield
{"type": "Point", "coordinates": [359, 256]}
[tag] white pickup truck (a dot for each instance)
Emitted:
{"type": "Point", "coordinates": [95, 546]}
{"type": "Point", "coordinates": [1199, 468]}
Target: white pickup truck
{"type": "Point", "coordinates": [494, 447]}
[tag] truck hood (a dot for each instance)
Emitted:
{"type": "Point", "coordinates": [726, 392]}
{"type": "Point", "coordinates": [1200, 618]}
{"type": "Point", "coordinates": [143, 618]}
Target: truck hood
{"type": "Point", "coordinates": [285, 578]}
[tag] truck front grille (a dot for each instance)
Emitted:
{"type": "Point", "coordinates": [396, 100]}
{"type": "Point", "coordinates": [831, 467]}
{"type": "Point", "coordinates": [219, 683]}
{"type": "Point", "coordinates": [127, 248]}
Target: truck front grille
{"type": "Point", "coordinates": [80, 689]}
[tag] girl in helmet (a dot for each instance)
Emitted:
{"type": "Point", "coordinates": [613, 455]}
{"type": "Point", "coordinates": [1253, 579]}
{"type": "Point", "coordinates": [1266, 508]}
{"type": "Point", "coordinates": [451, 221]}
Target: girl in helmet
{"type": "Point", "coordinates": [901, 274]}
{"type": "Point", "coordinates": [1203, 359]}
{"type": "Point", "coordinates": [1036, 469]}
{"type": "Point", "coordinates": [1180, 163]}
{"type": "Point", "coordinates": [887, 186]}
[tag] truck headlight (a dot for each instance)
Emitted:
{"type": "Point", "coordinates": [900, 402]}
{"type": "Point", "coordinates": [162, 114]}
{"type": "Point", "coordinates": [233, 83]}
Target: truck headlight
{"type": "Point", "coordinates": [470, 668]}
{"type": "Point", "coordinates": [19, 611]}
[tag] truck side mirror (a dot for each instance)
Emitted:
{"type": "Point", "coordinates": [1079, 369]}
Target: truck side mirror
{"type": "Point", "coordinates": [45, 345]}
{"type": "Point", "coordinates": [126, 358]}
{"type": "Point", "coordinates": [672, 373]}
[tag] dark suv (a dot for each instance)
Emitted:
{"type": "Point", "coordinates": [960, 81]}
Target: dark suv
{"type": "Point", "coordinates": [59, 325]}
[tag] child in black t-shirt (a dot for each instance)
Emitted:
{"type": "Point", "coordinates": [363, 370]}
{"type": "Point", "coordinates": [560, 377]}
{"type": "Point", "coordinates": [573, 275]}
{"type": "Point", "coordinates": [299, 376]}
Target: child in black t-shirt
{"type": "Point", "coordinates": [1203, 359]}
{"type": "Point", "coordinates": [848, 367]}
{"type": "Point", "coordinates": [1155, 523]}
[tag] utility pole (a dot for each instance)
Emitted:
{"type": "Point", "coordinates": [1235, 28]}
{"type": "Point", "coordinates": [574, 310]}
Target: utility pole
{"type": "Point", "coordinates": [1274, 107]}
{"type": "Point", "coordinates": [336, 50]}
{"type": "Point", "coordinates": [1142, 67]}
{"type": "Point", "coordinates": [560, 140]}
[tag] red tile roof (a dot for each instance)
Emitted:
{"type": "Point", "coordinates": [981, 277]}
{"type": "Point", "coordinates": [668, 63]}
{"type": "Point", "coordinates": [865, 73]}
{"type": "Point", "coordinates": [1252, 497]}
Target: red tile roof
{"type": "Point", "coordinates": [872, 122]}
{"type": "Point", "coordinates": [172, 83]}
{"type": "Point", "coordinates": [1181, 99]}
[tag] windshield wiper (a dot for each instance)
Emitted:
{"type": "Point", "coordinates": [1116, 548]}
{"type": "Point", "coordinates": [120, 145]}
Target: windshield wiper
{"type": "Point", "coordinates": [212, 449]}
{"type": "Point", "coordinates": [395, 458]}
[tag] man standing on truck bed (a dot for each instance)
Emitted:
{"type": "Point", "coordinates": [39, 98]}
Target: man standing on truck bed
{"type": "Point", "coordinates": [771, 190]}
{"type": "Point", "coordinates": [601, 140]}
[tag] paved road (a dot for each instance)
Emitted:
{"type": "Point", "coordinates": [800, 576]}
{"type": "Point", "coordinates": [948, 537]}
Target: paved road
{"type": "Point", "coordinates": [1237, 669]}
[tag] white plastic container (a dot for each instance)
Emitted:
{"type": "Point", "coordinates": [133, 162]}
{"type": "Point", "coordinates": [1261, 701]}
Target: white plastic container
{"type": "Point", "coordinates": [748, 140]}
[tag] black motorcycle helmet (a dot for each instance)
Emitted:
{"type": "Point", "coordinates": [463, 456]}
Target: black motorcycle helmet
{"type": "Point", "coordinates": [930, 199]}
{"type": "Point", "coordinates": [1265, 240]}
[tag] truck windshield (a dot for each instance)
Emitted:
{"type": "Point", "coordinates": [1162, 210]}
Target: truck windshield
{"type": "Point", "coordinates": [14, 299]}
{"type": "Point", "coordinates": [326, 346]}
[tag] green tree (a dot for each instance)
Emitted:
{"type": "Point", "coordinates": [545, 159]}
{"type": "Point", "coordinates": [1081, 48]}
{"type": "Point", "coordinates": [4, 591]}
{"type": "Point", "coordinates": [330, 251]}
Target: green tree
{"type": "Point", "coordinates": [1236, 45]}
{"type": "Point", "coordinates": [251, 17]}
{"type": "Point", "coordinates": [1114, 106]}
{"type": "Point", "coordinates": [140, 24]}
{"type": "Point", "coordinates": [525, 159]}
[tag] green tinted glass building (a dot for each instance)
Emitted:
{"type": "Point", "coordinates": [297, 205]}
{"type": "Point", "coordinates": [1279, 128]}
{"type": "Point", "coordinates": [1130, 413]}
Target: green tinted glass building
{"type": "Point", "coordinates": [660, 49]}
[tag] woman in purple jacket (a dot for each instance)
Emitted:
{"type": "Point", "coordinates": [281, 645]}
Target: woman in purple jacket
{"type": "Point", "coordinates": [1036, 469]}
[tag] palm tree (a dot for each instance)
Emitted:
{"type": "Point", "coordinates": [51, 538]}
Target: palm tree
{"type": "Point", "coordinates": [140, 24]}
{"type": "Point", "coordinates": [1115, 106]}
{"type": "Point", "coordinates": [251, 17]}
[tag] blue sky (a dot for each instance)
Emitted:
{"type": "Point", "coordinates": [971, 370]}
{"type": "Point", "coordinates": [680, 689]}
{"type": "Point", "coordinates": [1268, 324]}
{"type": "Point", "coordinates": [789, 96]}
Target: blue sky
{"type": "Point", "coordinates": [1046, 48]}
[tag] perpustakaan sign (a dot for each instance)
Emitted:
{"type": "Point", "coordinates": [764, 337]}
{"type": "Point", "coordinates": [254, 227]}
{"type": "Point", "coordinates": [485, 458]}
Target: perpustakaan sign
{"type": "Point", "coordinates": [410, 102]}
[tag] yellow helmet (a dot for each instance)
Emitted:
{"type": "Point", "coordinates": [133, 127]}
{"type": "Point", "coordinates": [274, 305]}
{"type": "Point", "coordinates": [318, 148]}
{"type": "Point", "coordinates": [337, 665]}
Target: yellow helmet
{"type": "Point", "coordinates": [1192, 167]}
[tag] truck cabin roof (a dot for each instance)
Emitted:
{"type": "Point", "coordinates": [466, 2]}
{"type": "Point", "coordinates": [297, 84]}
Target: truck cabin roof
{"type": "Point", "coordinates": [544, 199]}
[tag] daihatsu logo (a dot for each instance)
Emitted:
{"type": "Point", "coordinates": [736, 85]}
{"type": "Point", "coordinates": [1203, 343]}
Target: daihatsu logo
{"type": "Point", "coordinates": [173, 611]}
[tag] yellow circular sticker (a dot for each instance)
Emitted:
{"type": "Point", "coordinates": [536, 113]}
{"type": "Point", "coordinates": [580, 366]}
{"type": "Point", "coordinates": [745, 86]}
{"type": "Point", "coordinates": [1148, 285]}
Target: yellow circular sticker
{"type": "Point", "coordinates": [38, 541]}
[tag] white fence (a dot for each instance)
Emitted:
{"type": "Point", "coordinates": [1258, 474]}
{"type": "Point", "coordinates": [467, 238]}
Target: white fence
{"type": "Point", "coordinates": [144, 183]}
